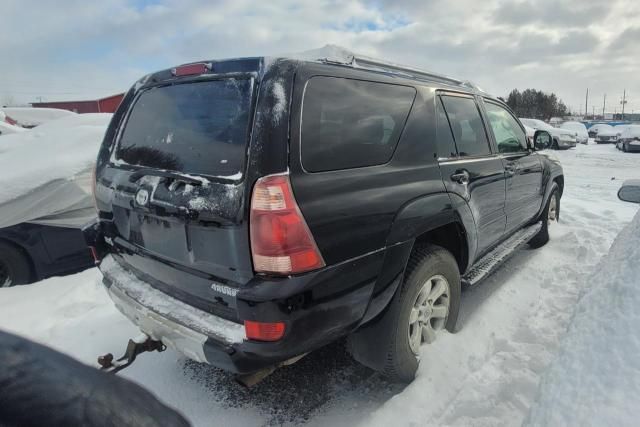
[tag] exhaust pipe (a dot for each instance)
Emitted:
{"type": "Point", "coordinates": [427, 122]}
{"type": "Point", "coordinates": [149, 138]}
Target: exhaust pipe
{"type": "Point", "coordinates": [249, 380]}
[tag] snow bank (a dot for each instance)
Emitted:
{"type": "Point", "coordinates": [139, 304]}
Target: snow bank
{"type": "Point", "coordinates": [31, 117]}
{"type": "Point", "coordinates": [595, 379]}
{"type": "Point", "coordinates": [6, 128]}
{"type": "Point", "coordinates": [44, 171]}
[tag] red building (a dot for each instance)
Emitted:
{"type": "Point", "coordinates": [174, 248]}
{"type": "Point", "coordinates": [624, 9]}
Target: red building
{"type": "Point", "coordinates": [102, 105]}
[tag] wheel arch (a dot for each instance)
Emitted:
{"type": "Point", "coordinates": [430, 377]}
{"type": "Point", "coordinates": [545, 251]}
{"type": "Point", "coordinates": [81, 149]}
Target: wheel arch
{"type": "Point", "coordinates": [33, 272]}
{"type": "Point", "coordinates": [430, 219]}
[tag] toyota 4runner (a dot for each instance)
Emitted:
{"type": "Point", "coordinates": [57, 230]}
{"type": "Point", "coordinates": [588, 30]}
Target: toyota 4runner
{"type": "Point", "coordinates": [253, 210]}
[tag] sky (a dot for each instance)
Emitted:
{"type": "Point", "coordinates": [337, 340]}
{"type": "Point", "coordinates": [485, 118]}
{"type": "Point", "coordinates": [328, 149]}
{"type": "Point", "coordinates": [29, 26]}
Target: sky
{"type": "Point", "coordinates": [71, 49]}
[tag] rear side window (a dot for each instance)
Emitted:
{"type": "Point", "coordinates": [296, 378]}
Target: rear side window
{"type": "Point", "coordinates": [466, 125]}
{"type": "Point", "coordinates": [446, 145]}
{"type": "Point", "coordinates": [198, 128]}
{"type": "Point", "coordinates": [351, 123]}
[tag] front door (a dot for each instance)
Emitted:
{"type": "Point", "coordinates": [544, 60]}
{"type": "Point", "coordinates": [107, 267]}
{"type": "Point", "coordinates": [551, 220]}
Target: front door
{"type": "Point", "coordinates": [470, 170]}
{"type": "Point", "coordinates": [522, 166]}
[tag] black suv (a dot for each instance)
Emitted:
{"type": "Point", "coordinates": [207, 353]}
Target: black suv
{"type": "Point", "coordinates": [253, 210]}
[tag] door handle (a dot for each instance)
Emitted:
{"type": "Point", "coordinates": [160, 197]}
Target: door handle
{"type": "Point", "coordinates": [461, 177]}
{"type": "Point", "coordinates": [511, 170]}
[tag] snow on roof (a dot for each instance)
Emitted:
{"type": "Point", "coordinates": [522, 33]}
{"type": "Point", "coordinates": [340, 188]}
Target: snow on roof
{"type": "Point", "coordinates": [27, 116]}
{"type": "Point", "coordinates": [59, 149]}
{"type": "Point", "coordinates": [595, 378]}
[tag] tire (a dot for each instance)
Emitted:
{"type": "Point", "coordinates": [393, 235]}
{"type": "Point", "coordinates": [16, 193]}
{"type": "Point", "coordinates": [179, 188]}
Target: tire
{"type": "Point", "coordinates": [542, 237]}
{"type": "Point", "coordinates": [385, 345]}
{"type": "Point", "coordinates": [624, 148]}
{"type": "Point", "coordinates": [14, 266]}
{"type": "Point", "coordinates": [555, 145]}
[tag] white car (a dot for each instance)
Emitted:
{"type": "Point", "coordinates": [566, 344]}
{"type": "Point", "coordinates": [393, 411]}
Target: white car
{"type": "Point", "coordinates": [561, 138]}
{"type": "Point", "coordinates": [582, 136]}
{"type": "Point", "coordinates": [593, 130]}
{"type": "Point", "coordinates": [607, 134]}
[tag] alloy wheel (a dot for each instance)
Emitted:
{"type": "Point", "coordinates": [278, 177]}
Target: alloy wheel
{"type": "Point", "coordinates": [429, 312]}
{"type": "Point", "coordinates": [553, 209]}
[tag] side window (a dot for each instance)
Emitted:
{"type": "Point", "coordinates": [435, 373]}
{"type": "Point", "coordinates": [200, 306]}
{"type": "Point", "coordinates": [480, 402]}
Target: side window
{"type": "Point", "coordinates": [446, 145]}
{"type": "Point", "coordinates": [351, 123]}
{"type": "Point", "coordinates": [509, 135]}
{"type": "Point", "coordinates": [466, 125]}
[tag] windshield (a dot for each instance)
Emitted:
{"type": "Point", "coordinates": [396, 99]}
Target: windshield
{"type": "Point", "coordinates": [198, 128]}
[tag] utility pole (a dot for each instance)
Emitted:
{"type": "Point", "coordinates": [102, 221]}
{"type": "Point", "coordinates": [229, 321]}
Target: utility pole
{"type": "Point", "coordinates": [604, 104]}
{"type": "Point", "coordinates": [593, 112]}
{"type": "Point", "coordinates": [586, 103]}
{"type": "Point", "coordinates": [624, 101]}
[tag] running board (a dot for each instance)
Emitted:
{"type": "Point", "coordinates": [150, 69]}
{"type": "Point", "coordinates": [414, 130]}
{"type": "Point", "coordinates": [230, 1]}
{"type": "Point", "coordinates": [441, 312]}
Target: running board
{"type": "Point", "coordinates": [491, 261]}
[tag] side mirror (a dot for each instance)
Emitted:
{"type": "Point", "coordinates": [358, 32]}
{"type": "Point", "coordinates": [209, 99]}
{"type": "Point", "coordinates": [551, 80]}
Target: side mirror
{"type": "Point", "coordinates": [630, 191]}
{"type": "Point", "coordinates": [541, 140]}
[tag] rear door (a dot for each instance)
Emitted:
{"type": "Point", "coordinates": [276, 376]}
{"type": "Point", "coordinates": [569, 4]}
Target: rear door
{"type": "Point", "coordinates": [470, 169]}
{"type": "Point", "coordinates": [176, 184]}
{"type": "Point", "coordinates": [522, 166]}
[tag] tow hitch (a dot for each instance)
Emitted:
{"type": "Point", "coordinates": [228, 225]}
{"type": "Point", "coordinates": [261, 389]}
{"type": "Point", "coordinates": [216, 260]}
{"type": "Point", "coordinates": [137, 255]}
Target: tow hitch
{"type": "Point", "coordinates": [135, 347]}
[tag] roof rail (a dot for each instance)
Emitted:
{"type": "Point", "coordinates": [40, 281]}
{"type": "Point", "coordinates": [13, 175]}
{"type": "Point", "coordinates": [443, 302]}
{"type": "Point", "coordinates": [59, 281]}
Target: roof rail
{"type": "Point", "coordinates": [376, 64]}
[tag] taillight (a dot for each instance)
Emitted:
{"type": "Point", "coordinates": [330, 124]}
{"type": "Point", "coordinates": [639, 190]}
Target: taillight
{"type": "Point", "coordinates": [281, 241]}
{"type": "Point", "coordinates": [191, 69]}
{"type": "Point", "coordinates": [260, 331]}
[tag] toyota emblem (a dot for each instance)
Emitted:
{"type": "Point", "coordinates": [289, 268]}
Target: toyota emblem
{"type": "Point", "coordinates": [142, 197]}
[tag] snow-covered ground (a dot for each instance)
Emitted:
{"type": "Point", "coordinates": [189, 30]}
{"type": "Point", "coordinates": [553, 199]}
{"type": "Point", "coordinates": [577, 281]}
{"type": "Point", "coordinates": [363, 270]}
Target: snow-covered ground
{"type": "Point", "coordinates": [488, 373]}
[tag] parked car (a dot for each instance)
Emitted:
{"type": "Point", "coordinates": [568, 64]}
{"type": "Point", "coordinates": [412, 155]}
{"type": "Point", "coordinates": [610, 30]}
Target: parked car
{"type": "Point", "coordinates": [607, 135]}
{"type": "Point", "coordinates": [593, 130]}
{"type": "Point", "coordinates": [264, 231]}
{"type": "Point", "coordinates": [32, 252]}
{"type": "Point", "coordinates": [629, 139]}
{"type": "Point", "coordinates": [46, 197]}
{"type": "Point", "coordinates": [562, 139]}
{"type": "Point", "coordinates": [582, 136]}
{"type": "Point", "coordinates": [6, 128]}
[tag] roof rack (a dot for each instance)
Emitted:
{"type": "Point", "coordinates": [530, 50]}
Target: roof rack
{"type": "Point", "coordinates": [375, 64]}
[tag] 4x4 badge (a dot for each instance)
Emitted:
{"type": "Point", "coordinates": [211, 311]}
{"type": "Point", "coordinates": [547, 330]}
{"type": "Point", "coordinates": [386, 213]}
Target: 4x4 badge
{"type": "Point", "coordinates": [142, 197]}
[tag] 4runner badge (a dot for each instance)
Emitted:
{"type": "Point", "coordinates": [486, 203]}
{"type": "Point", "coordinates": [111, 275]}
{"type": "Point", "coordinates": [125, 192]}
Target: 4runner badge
{"type": "Point", "coordinates": [142, 197]}
{"type": "Point", "coordinates": [225, 290]}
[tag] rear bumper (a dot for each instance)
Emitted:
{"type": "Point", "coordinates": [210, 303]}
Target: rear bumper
{"type": "Point", "coordinates": [317, 308]}
{"type": "Point", "coordinates": [633, 146]}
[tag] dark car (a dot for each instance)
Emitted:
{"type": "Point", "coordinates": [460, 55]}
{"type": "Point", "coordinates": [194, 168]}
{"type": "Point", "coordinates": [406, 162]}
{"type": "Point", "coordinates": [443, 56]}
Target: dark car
{"type": "Point", "coordinates": [32, 252]}
{"type": "Point", "coordinates": [254, 210]}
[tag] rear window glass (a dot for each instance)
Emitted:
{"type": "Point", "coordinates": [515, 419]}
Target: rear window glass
{"type": "Point", "coordinates": [198, 128]}
{"type": "Point", "coordinates": [446, 145]}
{"type": "Point", "coordinates": [351, 123]}
{"type": "Point", "coordinates": [466, 124]}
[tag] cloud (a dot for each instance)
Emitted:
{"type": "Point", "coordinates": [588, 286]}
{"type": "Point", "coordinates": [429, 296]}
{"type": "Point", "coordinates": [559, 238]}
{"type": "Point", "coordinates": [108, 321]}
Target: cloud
{"type": "Point", "coordinates": [75, 49]}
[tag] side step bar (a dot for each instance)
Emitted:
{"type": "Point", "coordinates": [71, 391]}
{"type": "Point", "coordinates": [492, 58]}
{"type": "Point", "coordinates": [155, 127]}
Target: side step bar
{"type": "Point", "coordinates": [491, 261]}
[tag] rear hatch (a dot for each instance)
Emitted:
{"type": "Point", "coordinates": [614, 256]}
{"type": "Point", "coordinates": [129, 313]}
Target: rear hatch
{"type": "Point", "coordinates": [175, 185]}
